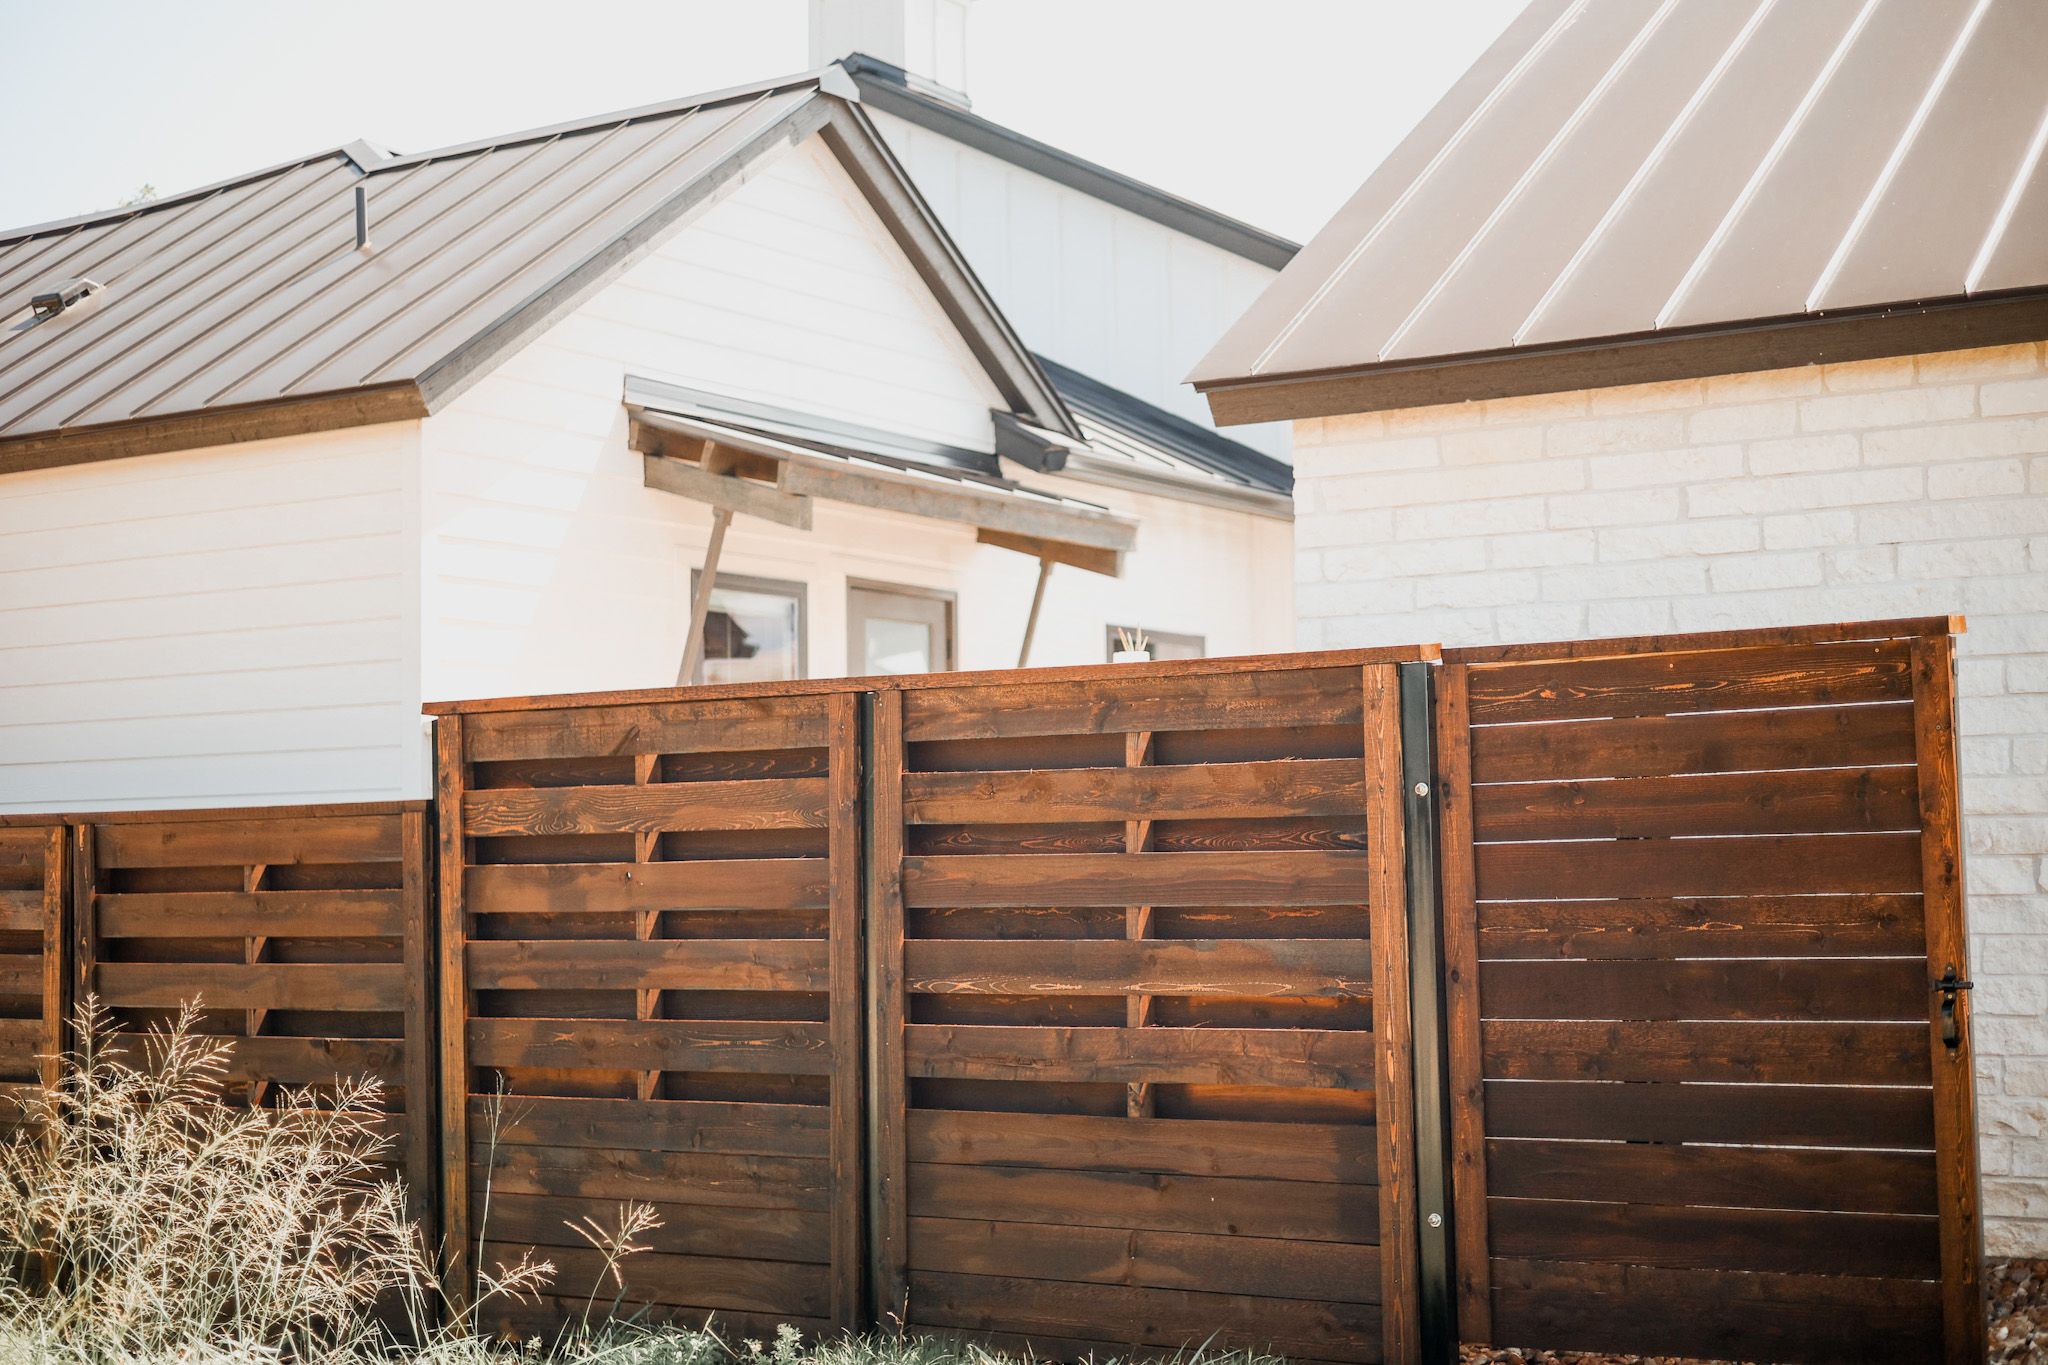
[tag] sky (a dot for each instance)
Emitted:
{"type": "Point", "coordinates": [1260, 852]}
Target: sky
{"type": "Point", "coordinates": [1270, 110]}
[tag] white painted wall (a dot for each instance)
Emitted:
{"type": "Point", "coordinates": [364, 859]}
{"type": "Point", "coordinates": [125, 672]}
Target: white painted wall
{"type": "Point", "coordinates": [1907, 487]}
{"type": "Point", "coordinates": [1112, 294]}
{"type": "Point", "coordinates": [547, 566]}
{"type": "Point", "coordinates": [228, 626]}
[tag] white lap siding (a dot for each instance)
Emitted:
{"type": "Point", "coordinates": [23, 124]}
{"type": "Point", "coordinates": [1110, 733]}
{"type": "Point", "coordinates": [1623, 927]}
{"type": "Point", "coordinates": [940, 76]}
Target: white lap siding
{"type": "Point", "coordinates": [228, 626]}
{"type": "Point", "coordinates": [1914, 486]}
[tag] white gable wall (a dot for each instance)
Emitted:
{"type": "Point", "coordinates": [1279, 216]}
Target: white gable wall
{"type": "Point", "coordinates": [1099, 288]}
{"type": "Point", "coordinates": [229, 626]}
{"type": "Point", "coordinates": [548, 566]}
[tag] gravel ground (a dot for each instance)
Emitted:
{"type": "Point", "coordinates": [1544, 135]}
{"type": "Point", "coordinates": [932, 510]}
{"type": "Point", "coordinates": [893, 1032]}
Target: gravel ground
{"type": "Point", "coordinates": [2017, 1290]}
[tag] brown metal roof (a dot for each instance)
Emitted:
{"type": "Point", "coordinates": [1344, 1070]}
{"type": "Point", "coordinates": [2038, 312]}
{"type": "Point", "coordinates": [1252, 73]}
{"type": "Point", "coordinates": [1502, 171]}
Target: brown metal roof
{"type": "Point", "coordinates": [249, 298]}
{"type": "Point", "coordinates": [1619, 171]}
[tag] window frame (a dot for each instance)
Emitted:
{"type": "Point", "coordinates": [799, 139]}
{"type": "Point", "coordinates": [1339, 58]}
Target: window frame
{"type": "Point", "coordinates": [856, 657]}
{"type": "Point", "coordinates": [782, 587]}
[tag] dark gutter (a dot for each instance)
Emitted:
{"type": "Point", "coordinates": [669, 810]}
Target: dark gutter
{"type": "Point", "coordinates": [888, 87]}
{"type": "Point", "coordinates": [1953, 324]}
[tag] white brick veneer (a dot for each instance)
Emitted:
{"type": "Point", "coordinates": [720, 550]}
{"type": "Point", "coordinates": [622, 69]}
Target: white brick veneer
{"type": "Point", "coordinates": [1906, 487]}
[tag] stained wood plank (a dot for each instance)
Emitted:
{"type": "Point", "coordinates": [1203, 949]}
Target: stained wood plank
{"type": "Point", "coordinates": [1272, 1267]}
{"type": "Point", "coordinates": [21, 909]}
{"type": "Point", "coordinates": [239, 843]}
{"type": "Point", "coordinates": [771, 803]}
{"type": "Point", "coordinates": [659, 1125]}
{"type": "Point", "coordinates": [316, 1061]}
{"type": "Point", "coordinates": [242, 914]}
{"type": "Point", "coordinates": [717, 1282]}
{"type": "Point", "coordinates": [1304, 1210]}
{"type": "Point", "coordinates": [670, 964]}
{"type": "Point", "coordinates": [799, 1235]}
{"type": "Point", "coordinates": [626, 888]}
{"type": "Point", "coordinates": [1732, 1177]}
{"type": "Point", "coordinates": [1778, 1053]}
{"type": "Point", "coordinates": [1791, 1115]}
{"type": "Point", "coordinates": [1194, 1056]}
{"type": "Point", "coordinates": [723, 726]}
{"type": "Point", "coordinates": [1741, 741]}
{"type": "Point", "coordinates": [1828, 1320]}
{"type": "Point", "coordinates": [1727, 927]}
{"type": "Point", "coordinates": [1337, 1153]}
{"type": "Point", "coordinates": [704, 1178]}
{"type": "Point", "coordinates": [1955, 1111]}
{"type": "Point", "coordinates": [1276, 967]}
{"type": "Point", "coordinates": [1122, 879]}
{"type": "Point", "coordinates": [1772, 988]}
{"type": "Point", "coordinates": [1152, 1317]}
{"type": "Point", "coordinates": [1796, 1242]}
{"type": "Point", "coordinates": [1767, 865]}
{"type": "Point", "coordinates": [844, 1011]}
{"type": "Point", "coordinates": [1234, 791]}
{"type": "Point", "coordinates": [254, 985]}
{"type": "Point", "coordinates": [421, 1067]}
{"type": "Point", "coordinates": [1666, 682]}
{"type": "Point", "coordinates": [1797, 801]}
{"type": "Point", "coordinates": [888, 1096]}
{"type": "Point", "coordinates": [786, 1049]}
{"type": "Point", "coordinates": [455, 1004]}
{"type": "Point", "coordinates": [1123, 703]}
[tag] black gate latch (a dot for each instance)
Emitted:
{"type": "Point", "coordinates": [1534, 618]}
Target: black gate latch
{"type": "Point", "coordinates": [1946, 988]}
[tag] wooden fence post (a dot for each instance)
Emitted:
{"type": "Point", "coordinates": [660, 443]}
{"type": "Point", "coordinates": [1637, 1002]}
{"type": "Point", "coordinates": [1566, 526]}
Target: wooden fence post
{"type": "Point", "coordinates": [453, 1004]}
{"type": "Point", "coordinates": [888, 1090]}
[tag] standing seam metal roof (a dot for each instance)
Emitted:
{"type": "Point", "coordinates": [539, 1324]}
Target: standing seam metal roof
{"type": "Point", "coordinates": [1618, 168]}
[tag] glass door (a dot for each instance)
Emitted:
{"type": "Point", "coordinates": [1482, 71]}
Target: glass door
{"type": "Point", "coordinates": [893, 629]}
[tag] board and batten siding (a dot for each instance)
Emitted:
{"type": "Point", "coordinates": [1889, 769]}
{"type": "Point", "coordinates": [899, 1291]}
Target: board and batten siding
{"type": "Point", "coordinates": [1901, 487]}
{"type": "Point", "coordinates": [236, 625]}
{"type": "Point", "coordinates": [549, 567]}
{"type": "Point", "coordinates": [1096, 287]}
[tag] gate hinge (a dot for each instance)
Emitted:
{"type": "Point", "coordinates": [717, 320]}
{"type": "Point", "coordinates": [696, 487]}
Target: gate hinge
{"type": "Point", "coordinates": [1948, 989]}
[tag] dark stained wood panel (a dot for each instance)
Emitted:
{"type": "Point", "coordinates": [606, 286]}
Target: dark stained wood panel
{"type": "Point", "coordinates": [1675, 682]}
{"type": "Point", "coordinates": [1824, 926]}
{"type": "Point", "coordinates": [1768, 988]}
{"type": "Point", "coordinates": [1810, 801]}
{"type": "Point", "coordinates": [1727, 742]}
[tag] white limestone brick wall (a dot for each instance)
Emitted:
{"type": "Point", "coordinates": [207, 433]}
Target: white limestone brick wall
{"type": "Point", "coordinates": [1904, 487]}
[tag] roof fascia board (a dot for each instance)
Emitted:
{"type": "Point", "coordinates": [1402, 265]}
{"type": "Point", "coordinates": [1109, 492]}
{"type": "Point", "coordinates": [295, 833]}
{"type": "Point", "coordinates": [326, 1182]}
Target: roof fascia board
{"type": "Point", "coordinates": [662, 396]}
{"type": "Point", "coordinates": [1769, 344]}
{"type": "Point", "coordinates": [988, 334]}
{"type": "Point", "coordinates": [212, 427]}
{"type": "Point", "coordinates": [1111, 473]}
{"type": "Point", "coordinates": [887, 91]}
{"type": "Point", "coordinates": [445, 380]}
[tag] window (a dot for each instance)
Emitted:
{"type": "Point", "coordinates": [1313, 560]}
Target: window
{"type": "Point", "coordinates": [1162, 644]}
{"type": "Point", "coordinates": [753, 631]}
{"type": "Point", "coordinates": [891, 629]}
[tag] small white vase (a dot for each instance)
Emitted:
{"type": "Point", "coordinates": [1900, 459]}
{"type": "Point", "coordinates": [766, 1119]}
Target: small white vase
{"type": "Point", "coordinates": [1131, 656]}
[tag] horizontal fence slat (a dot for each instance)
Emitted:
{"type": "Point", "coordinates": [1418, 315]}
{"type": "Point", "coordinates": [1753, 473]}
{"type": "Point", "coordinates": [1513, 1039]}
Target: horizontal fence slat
{"type": "Point", "coordinates": [372, 986]}
{"type": "Point", "coordinates": [1761, 989]}
{"type": "Point", "coordinates": [653, 728]}
{"type": "Point", "coordinates": [1159, 1318]}
{"type": "Point", "coordinates": [618, 888]}
{"type": "Point", "coordinates": [248, 914]}
{"type": "Point", "coordinates": [1335, 1153]}
{"type": "Point", "coordinates": [1798, 1054]}
{"type": "Point", "coordinates": [1731, 927]}
{"type": "Point", "coordinates": [699, 1178]}
{"type": "Point", "coordinates": [1157, 879]}
{"type": "Point", "coordinates": [1734, 1177]}
{"type": "Point", "coordinates": [1112, 1199]}
{"type": "Point", "coordinates": [671, 964]}
{"type": "Point", "coordinates": [748, 1284]}
{"type": "Point", "coordinates": [1766, 865]}
{"type": "Point", "coordinates": [655, 1125]}
{"type": "Point", "coordinates": [547, 1221]}
{"type": "Point", "coordinates": [1213, 701]}
{"type": "Point", "coordinates": [1789, 1241]}
{"type": "Point", "coordinates": [1793, 1115]}
{"type": "Point", "coordinates": [1265, 1266]}
{"type": "Point", "coordinates": [1797, 801]}
{"type": "Point", "coordinates": [21, 909]}
{"type": "Point", "coordinates": [783, 1049]}
{"type": "Point", "coordinates": [1659, 746]}
{"type": "Point", "coordinates": [21, 974]}
{"type": "Point", "coordinates": [1195, 1056]}
{"type": "Point", "coordinates": [243, 842]}
{"type": "Point", "coordinates": [1668, 682]}
{"type": "Point", "coordinates": [1273, 967]}
{"type": "Point", "coordinates": [1830, 1320]}
{"type": "Point", "coordinates": [770, 803]}
{"type": "Point", "coordinates": [1289, 788]}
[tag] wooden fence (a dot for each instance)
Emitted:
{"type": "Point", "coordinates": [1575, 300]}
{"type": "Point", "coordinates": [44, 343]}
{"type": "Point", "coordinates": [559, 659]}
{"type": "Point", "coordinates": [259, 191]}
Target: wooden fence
{"type": "Point", "coordinates": [1696, 892]}
{"type": "Point", "coordinates": [1098, 1008]}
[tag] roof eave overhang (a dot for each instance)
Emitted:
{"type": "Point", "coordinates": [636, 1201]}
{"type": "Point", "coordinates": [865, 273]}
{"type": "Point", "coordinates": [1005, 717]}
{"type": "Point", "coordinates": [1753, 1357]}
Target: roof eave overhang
{"type": "Point", "coordinates": [397, 402]}
{"type": "Point", "coordinates": [1109, 473]}
{"type": "Point", "coordinates": [1952, 324]}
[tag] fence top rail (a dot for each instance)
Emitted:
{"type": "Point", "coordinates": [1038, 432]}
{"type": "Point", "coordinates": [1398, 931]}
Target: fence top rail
{"type": "Point", "coordinates": [334, 810]}
{"type": "Point", "coordinates": [1838, 632]}
{"type": "Point", "coordinates": [808, 687]}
